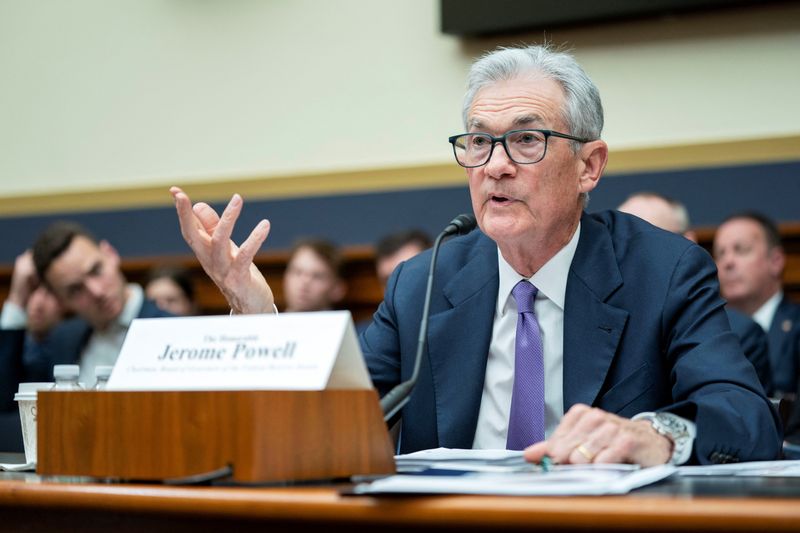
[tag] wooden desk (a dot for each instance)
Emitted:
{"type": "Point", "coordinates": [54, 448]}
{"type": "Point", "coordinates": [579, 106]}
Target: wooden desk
{"type": "Point", "coordinates": [32, 506]}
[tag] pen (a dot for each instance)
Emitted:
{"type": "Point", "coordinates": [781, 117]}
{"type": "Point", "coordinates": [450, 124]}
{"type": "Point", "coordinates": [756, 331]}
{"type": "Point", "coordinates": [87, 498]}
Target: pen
{"type": "Point", "coordinates": [546, 463]}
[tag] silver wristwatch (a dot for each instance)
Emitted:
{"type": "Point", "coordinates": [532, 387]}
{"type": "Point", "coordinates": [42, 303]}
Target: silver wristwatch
{"type": "Point", "coordinates": [677, 429]}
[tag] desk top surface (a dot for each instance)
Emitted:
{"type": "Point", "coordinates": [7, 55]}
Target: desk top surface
{"type": "Point", "coordinates": [740, 505]}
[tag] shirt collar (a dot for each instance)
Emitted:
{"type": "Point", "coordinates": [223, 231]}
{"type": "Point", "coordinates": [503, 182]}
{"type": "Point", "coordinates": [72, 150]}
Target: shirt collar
{"type": "Point", "coordinates": [133, 305]}
{"type": "Point", "coordinates": [766, 313]}
{"type": "Point", "coordinates": [551, 279]}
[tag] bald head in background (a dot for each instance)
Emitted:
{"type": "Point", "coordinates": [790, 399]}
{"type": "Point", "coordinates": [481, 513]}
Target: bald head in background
{"type": "Point", "coordinates": [660, 211]}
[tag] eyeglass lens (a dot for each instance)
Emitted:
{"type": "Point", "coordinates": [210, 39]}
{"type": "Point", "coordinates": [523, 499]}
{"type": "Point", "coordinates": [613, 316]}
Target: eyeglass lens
{"type": "Point", "coordinates": [525, 146]}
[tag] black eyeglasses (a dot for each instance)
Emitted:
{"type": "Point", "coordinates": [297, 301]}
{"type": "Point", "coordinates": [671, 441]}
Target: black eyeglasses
{"type": "Point", "coordinates": [524, 147]}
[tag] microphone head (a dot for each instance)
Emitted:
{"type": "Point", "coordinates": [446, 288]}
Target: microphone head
{"type": "Point", "coordinates": [461, 225]}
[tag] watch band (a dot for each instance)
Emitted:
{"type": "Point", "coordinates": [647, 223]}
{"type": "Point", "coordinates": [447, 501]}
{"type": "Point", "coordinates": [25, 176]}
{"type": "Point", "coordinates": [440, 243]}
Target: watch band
{"type": "Point", "coordinates": [679, 430]}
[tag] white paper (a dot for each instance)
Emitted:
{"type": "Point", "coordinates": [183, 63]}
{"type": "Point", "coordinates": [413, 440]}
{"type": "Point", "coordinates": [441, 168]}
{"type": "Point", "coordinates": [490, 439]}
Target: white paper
{"type": "Point", "coordinates": [463, 460]}
{"type": "Point", "coordinates": [490, 460]}
{"type": "Point", "coordinates": [752, 468]}
{"type": "Point", "coordinates": [506, 472]}
{"type": "Point", "coordinates": [290, 351]}
{"type": "Point", "coordinates": [573, 481]}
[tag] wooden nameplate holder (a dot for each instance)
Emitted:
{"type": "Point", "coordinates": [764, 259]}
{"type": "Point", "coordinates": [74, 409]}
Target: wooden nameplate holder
{"type": "Point", "coordinates": [264, 436]}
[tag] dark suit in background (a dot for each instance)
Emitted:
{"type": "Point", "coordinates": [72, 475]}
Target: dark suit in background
{"type": "Point", "coordinates": [754, 344]}
{"type": "Point", "coordinates": [784, 346]}
{"type": "Point", "coordinates": [644, 330]}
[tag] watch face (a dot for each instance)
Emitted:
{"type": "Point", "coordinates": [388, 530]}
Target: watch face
{"type": "Point", "coordinates": [672, 427]}
{"type": "Point", "coordinates": [676, 430]}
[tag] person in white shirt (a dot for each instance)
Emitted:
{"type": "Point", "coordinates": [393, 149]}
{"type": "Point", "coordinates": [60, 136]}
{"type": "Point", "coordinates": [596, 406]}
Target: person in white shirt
{"type": "Point", "coordinates": [85, 277]}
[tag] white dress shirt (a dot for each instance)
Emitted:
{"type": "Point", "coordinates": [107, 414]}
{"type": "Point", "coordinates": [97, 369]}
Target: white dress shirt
{"type": "Point", "coordinates": [551, 280]}
{"type": "Point", "coordinates": [13, 316]}
{"type": "Point", "coordinates": [104, 346]}
{"type": "Point", "coordinates": [766, 313]}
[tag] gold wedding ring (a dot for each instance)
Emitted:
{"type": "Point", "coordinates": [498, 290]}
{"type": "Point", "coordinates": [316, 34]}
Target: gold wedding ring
{"type": "Point", "coordinates": [581, 449]}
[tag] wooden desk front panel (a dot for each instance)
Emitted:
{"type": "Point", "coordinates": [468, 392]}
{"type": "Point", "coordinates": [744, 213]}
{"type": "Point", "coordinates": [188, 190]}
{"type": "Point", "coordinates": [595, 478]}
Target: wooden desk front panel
{"type": "Point", "coordinates": [36, 506]}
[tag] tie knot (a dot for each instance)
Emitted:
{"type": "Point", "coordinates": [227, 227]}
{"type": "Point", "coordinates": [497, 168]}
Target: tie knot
{"type": "Point", "coordinates": [524, 293]}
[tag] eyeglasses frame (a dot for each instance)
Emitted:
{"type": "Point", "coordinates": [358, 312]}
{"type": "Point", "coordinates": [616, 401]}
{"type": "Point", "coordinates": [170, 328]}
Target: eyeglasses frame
{"type": "Point", "coordinates": [502, 140]}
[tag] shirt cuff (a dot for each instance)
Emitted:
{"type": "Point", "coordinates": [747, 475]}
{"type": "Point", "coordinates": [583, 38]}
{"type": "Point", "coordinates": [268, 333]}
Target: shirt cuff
{"type": "Point", "coordinates": [13, 316]}
{"type": "Point", "coordinates": [274, 310]}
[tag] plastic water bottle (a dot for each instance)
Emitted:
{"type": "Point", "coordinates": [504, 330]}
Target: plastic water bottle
{"type": "Point", "coordinates": [101, 375]}
{"type": "Point", "coordinates": [66, 377]}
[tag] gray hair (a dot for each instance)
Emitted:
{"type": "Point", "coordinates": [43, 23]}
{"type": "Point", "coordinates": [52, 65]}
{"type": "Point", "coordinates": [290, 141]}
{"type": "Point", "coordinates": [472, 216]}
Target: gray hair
{"type": "Point", "coordinates": [583, 111]}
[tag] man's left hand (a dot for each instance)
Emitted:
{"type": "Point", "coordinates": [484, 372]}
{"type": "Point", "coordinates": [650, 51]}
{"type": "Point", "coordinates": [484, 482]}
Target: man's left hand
{"type": "Point", "coordinates": [590, 435]}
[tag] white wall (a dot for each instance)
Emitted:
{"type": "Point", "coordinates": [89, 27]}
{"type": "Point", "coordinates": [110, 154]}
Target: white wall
{"type": "Point", "coordinates": [101, 94]}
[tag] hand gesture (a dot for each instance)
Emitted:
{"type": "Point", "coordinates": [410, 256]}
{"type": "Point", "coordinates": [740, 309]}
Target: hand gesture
{"type": "Point", "coordinates": [591, 435]}
{"type": "Point", "coordinates": [229, 266]}
{"type": "Point", "coordinates": [23, 280]}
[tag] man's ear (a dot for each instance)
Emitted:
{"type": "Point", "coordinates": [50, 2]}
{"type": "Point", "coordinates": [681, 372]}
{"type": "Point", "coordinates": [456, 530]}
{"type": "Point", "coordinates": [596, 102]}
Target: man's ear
{"type": "Point", "coordinates": [594, 156]}
{"type": "Point", "coordinates": [777, 261]}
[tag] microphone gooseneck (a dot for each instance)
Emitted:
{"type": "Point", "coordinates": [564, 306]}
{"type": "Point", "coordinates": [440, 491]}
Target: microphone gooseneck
{"type": "Point", "coordinates": [397, 398]}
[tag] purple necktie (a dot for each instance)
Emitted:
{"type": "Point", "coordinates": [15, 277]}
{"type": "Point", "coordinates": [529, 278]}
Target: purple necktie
{"type": "Point", "coordinates": [526, 421]}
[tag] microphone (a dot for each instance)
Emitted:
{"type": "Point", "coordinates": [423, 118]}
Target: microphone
{"type": "Point", "coordinates": [397, 398]}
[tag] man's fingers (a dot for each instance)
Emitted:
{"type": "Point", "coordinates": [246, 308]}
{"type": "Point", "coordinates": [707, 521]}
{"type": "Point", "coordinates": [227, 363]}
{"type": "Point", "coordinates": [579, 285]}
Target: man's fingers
{"type": "Point", "coordinates": [612, 454]}
{"type": "Point", "coordinates": [569, 420]}
{"type": "Point", "coordinates": [207, 216]}
{"type": "Point", "coordinates": [590, 449]}
{"type": "Point", "coordinates": [535, 452]}
{"type": "Point", "coordinates": [223, 249]}
{"type": "Point", "coordinates": [582, 422]}
{"type": "Point", "coordinates": [190, 225]}
{"type": "Point", "coordinates": [251, 246]}
{"type": "Point", "coordinates": [224, 230]}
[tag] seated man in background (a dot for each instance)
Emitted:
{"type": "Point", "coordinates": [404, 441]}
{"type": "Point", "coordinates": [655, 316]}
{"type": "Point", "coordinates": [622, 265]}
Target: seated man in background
{"type": "Point", "coordinates": [313, 279]}
{"type": "Point", "coordinates": [172, 289]}
{"type": "Point", "coordinates": [397, 247]}
{"type": "Point", "coordinates": [584, 337]}
{"type": "Point", "coordinates": [390, 251]}
{"type": "Point", "coordinates": [750, 260]}
{"type": "Point", "coordinates": [85, 277]}
{"type": "Point", "coordinates": [671, 215]}
{"type": "Point", "coordinates": [27, 298]}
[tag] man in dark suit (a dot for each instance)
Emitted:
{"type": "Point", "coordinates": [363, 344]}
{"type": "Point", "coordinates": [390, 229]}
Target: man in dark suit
{"type": "Point", "coordinates": [549, 327]}
{"type": "Point", "coordinates": [750, 259]}
{"type": "Point", "coordinates": [671, 215]}
{"type": "Point", "coordinates": [85, 277]}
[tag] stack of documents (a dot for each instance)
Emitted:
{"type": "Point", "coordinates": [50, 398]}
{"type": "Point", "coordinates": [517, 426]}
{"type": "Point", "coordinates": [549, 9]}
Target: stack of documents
{"type": "Point", "coordinates": [448, 459]}
{"type": "Point", "coordinates": [503, 472]}
{"type": "Point", "coordinates": [753, 468]}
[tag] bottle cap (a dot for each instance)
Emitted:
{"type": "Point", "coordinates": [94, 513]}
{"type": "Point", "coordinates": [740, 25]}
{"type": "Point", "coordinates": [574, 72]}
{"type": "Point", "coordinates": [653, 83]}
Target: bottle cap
{"type": "Point", "coordinates": [66, 371]}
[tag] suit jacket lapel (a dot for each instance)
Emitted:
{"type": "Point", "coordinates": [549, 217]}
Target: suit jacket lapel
{"type": "Point", "coordinates": [592, 327]}
{"type": "Point", "coordinates": [458, 345]}
{"type": "Point", "coordinates": [778, 331]}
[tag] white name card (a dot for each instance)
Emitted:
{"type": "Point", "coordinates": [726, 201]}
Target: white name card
{"type": "Point", "coordinates": [290, 351]}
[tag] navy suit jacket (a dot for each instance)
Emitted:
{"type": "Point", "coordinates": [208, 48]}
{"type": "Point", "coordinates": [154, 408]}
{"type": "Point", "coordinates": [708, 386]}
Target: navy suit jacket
{"type": "Point", "coordinates": [784, 346]}
{"type": "Point", "coordinates": [644, 330]}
